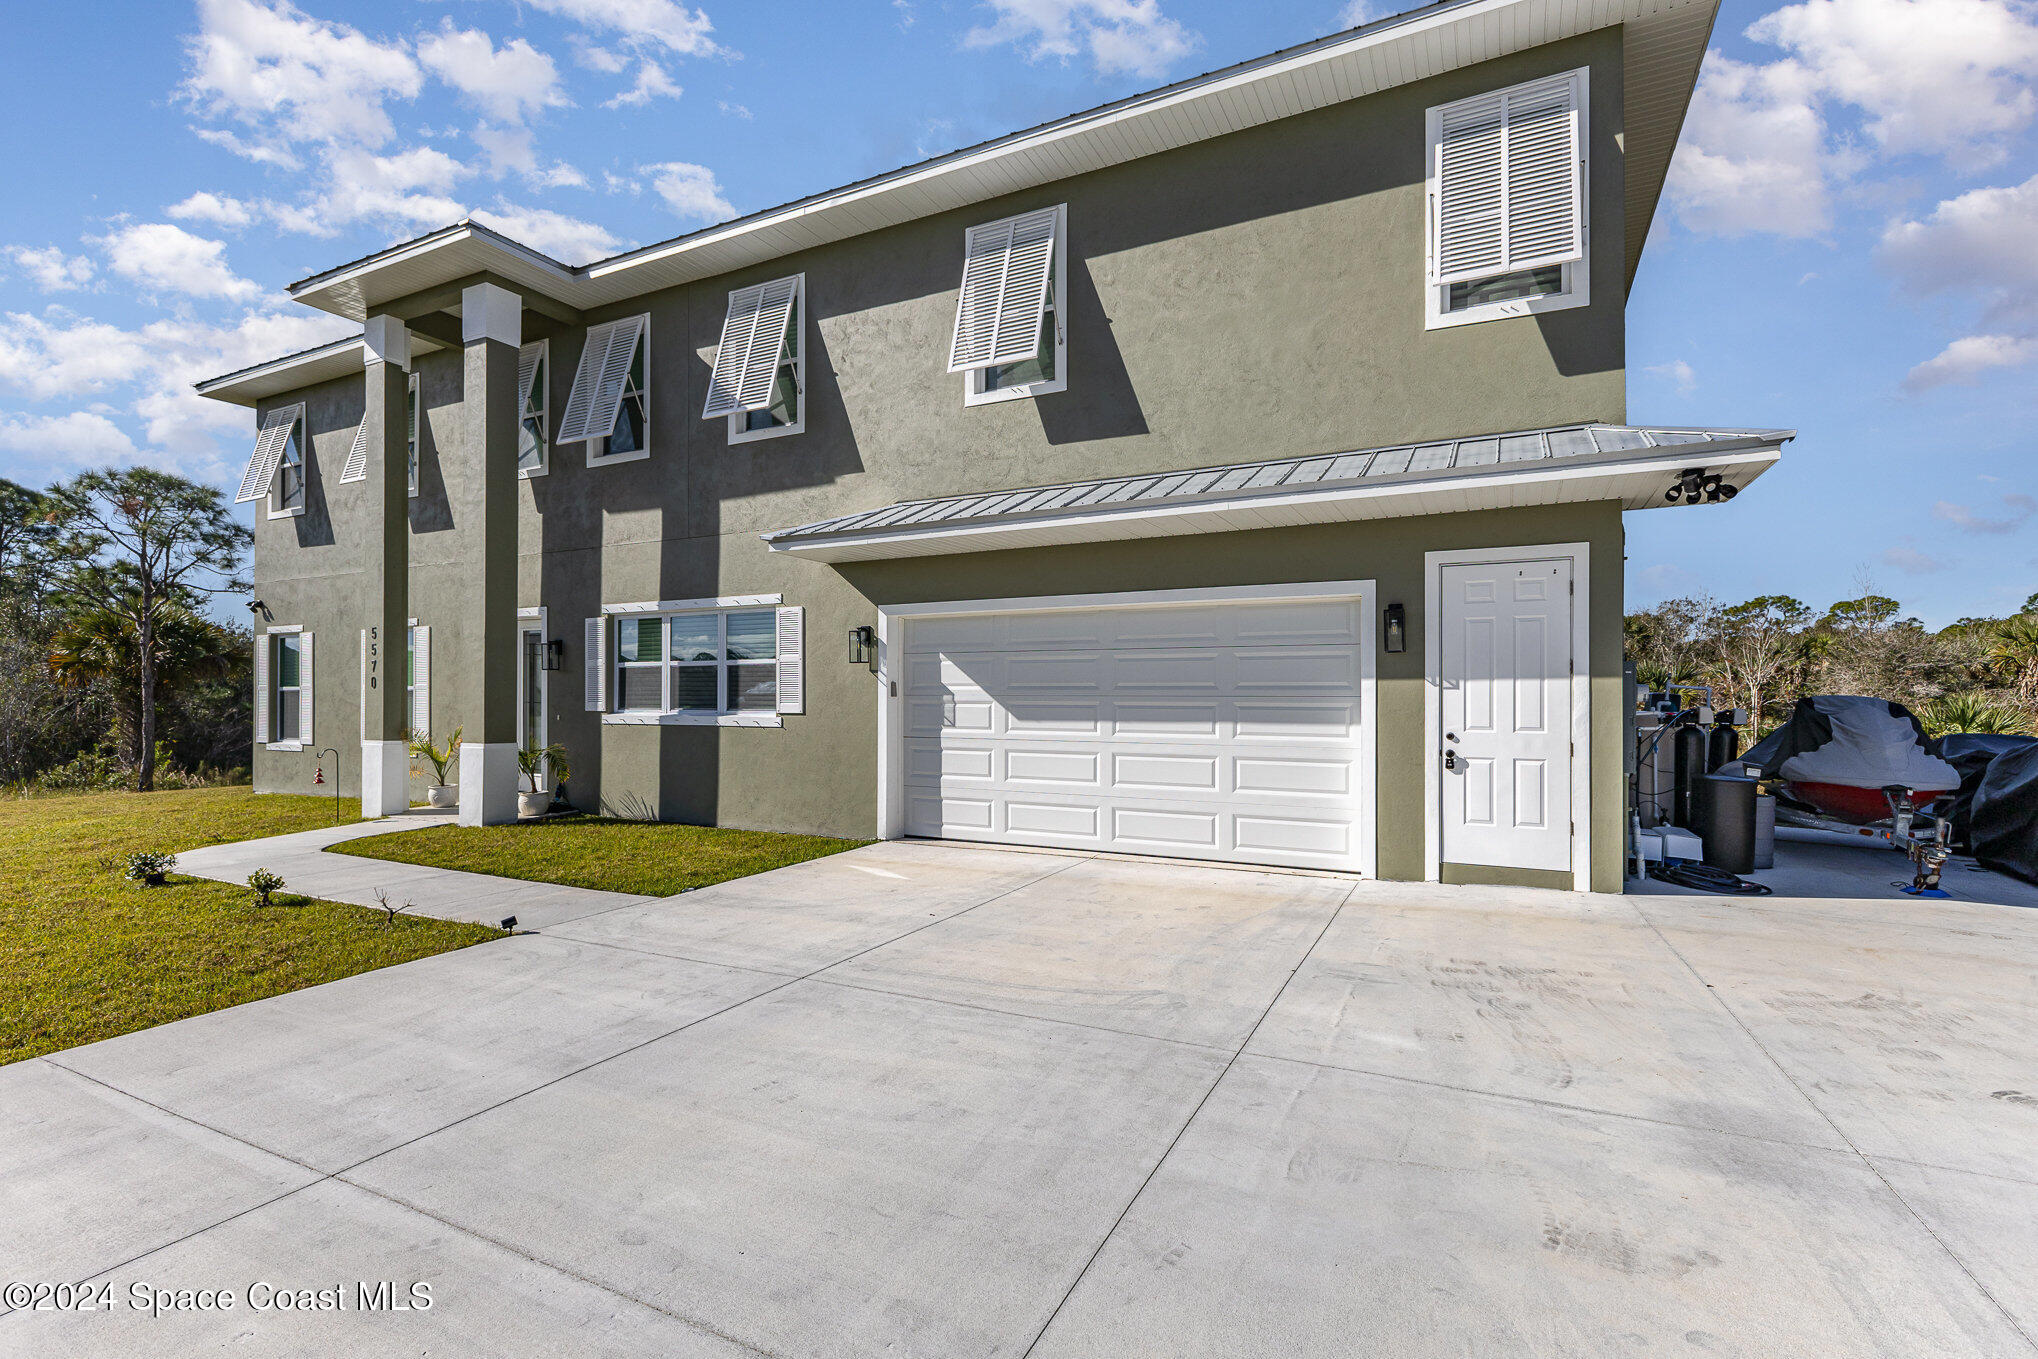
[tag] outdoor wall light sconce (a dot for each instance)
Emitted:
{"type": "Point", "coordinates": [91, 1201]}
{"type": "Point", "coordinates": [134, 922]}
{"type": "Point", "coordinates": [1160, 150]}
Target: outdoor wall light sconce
{"type": "Point", "coordinates": [1397, 628]}
{"type": "Point", "coordinates": [863, 647]}
{"type": "Point", "coordinates": [554, 656]}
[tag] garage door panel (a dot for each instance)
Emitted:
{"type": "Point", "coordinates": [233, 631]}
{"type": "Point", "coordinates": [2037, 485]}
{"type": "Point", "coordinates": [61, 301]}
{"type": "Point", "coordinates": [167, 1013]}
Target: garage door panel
{"type": "Point", "coordinates": [1226, 731]}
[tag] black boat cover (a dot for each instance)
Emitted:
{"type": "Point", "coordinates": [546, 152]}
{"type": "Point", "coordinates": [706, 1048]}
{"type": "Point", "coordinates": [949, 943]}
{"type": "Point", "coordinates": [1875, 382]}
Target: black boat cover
{"type": "Point", "coordinates": [1970, 753]}
{"type": "Point", "coordinates": [1845, 739]}
{"type": "Point", "coordinates": [2005, 815]}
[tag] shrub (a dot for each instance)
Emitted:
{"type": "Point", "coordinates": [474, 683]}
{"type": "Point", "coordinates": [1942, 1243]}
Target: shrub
{"type": "Point", "coordinates": [266, 884]}
{"type": "Point", "coordinates": [421, 748]}
{"type": "Point", "coordinates": [148, 867]}
{"type": "Point", "coordinates": [1974, 712]}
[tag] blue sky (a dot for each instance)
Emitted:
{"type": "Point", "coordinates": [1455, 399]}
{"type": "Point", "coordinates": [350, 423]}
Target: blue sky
{"type": "Point", "coordinates": [1849, 246]}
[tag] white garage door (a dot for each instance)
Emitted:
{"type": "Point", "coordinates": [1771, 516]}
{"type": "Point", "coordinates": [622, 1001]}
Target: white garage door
{"type": "Point", "coordinates": [1204, 730]}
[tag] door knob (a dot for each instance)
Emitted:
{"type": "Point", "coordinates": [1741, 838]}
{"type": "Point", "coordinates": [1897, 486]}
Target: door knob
{"type": "Point", "coordinates": [1451, 760]}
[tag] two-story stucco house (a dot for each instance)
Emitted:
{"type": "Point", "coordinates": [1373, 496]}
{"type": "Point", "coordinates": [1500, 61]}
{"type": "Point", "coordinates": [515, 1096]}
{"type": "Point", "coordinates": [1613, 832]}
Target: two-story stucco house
{"type": "Point", "coordinates": [1233, 472]}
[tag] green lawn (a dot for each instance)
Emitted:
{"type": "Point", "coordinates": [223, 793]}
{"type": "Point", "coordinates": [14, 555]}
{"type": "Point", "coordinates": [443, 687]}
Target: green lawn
{"type": "Point", "coordinates": [85, 955]}
{"type": "Point", "coordinates": [650, 858]}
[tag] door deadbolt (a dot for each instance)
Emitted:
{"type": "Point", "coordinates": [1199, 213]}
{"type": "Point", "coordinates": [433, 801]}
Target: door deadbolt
{"type": "Point", "coordinates": [1451, 760]}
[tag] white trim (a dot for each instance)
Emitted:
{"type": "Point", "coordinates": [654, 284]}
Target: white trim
{"type": "Point", "coordinates": [739, 435]}
{"type": "Point", "coordinates": [384, 339]}
{"type": "Point", "coordinates": [892, 618]}
{"type": "Point", "coordinates": [534, 620]}
{"type": "Point", "coordinates": [415, 453]}
{"type": "Point", "coordinates": [489, 311]}
{"type": "Point", "coordinates": [1580, 556]}
{"type": "Point", "coordinates": [691, 720]}
{"type": "Point", "coordinates": [269, 683]}
{"type": "Point", "coordinates": [677, 605]}
{"type": "Point", "coordinates": [284, 745]}
{"type": "Point", "coordinates": [1576, 292]}
{"type": "Point", "coordinates": [973, 393]}
{"type": "Point", "coordinates": [533, 611]}
{"type": "Point", "coordinates": [286, 514]}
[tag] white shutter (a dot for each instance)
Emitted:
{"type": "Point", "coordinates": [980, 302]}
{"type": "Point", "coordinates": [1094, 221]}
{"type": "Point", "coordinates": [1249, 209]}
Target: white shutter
{"type": "Point", "coordinates": [792, 660]}
{"type": "Point", "coordinates": [596, 663]}
{"type": "Point", "coordinates": [269, 441]}
{"type": "Point", "coordinates": [305, 701]}
{"type": "Point", "coordinates": [261, 688]}
{"type": "Point", "coordinates": [421, 686]}
{"type": "Point", "coordinates": [598, 381]}
{"type": "Point", "coordinates": [356, 468]}
{"type": "Point", "coordinates": [1006, 269]}
{"type": "Point", "coordinates": [753, 346]}
{"type": "Point", "coordinates": [1509, 180]}
{"type": "Point", "coordinates": [364, 684]}
{"type": "Point", "coordinates": [527, 373]}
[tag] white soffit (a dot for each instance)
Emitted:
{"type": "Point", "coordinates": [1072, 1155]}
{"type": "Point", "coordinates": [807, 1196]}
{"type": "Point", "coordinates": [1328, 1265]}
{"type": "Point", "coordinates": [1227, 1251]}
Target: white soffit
{"type": "Point", "coordinates": [1568, 465]}
{"type": "Point", "coordinates": [1664, 41]}
{"type": "Point", "coordinates": [293, 372]}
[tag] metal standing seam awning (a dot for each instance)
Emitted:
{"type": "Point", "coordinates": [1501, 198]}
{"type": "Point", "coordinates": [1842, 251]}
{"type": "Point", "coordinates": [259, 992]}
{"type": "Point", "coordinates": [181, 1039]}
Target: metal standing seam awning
{"type": "Point", "coordinates": [1569, 464]}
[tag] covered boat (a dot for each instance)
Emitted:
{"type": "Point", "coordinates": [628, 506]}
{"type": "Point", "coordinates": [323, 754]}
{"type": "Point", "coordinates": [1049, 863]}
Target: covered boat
{"type": "Point", "coordinates": [1837, 754]}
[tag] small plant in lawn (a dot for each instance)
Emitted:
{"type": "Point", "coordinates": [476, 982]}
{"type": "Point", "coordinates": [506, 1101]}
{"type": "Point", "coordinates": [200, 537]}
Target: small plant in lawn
{"type": "Point", "coordinates": [266, 885]}
{"type": "Point", "coordinates": [389, 912]}
{"type": "Point", "coordinates": [148, 867]}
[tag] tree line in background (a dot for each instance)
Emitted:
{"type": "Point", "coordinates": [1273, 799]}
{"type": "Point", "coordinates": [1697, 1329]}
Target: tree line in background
{"type": "Point", "coordinates": [111, 674]}
{"type": "Point", "coordinates": [1979, 674]}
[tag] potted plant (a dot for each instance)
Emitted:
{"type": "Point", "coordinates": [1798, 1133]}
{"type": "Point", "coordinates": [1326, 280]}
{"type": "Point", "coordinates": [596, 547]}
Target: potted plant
{"type": "Point", "coordinates": [441, 760]}
{"type": "Point", "coordinates": [148, 867]}
{"type": "Point", "coordinates": [532, 761]}
{"type": "Point", "coordinates": [266, 885]}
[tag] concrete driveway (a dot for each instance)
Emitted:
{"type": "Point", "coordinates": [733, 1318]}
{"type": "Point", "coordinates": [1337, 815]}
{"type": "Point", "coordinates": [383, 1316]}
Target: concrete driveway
{"type": "Point", "coordinates": [925, 1100]}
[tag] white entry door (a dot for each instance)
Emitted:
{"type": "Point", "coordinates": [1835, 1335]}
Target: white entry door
{"type": "Point", "coordinates": [1506, 739]}
{"type": "Point", "coordinates": [1208, 730]}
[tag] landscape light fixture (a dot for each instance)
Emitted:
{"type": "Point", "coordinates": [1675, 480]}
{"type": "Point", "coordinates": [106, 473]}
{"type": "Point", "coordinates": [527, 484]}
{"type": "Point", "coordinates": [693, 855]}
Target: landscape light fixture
{"type": "Point", "coordinates": [509, 924]}
{"type": "Point", "coordinates": [1397, 629]}
{"type": "Point", "coordinates": [863, 647]}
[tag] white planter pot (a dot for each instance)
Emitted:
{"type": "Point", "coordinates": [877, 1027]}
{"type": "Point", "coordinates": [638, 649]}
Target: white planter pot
{"type": "Point", "coordinates": [533, 804]}
{"type": "Point", "coordinates": [442, 795]}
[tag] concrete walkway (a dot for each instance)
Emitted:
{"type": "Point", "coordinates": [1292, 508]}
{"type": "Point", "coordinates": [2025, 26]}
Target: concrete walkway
{"type": "Point", "coordinates": [932, 1102]}
{"type": "Point", "coordinates": [442, 892]}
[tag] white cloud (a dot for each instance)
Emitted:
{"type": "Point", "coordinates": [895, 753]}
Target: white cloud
{"type": "Point", "coordinates": [290, 78]}
{"type": "Point", "coordinates": [1122, 37]}
{"type": "Point", "coordinates": [690, 191]}
{"type": "Point", "coordinates": [1906, 558]}
{"type": "Point", "coordinates": [277, 157]}
{"type": "Point", "coordinates": [51, 269]}
{"type": "Point", "coordinates": [733, 110]}
{"type": "Point", "coordinates": [1961, 516]}
{"type": "Point", "coordinates": [567, 239]}
{"type": "Point", "coordinates": [57, 355]}
{"type": "Point", "coordinates": [597, 58]}
{"type": "Point", "coordinates": [904, 9]}
{"type": "Point", "coordinates": [1678, 374]}
{"type": "Point", "coordinates": [646, 23]}
{"type": "Point", "coordinates": [78, 439]}
{"type": "Point", "coordinates": [1357, 14]}
{"type": "Point", "coordinates": [411, 190]}
{"type": "Point", "coordinates": [161, 257]}
{"type": "Point", "coordinates": [652, 83]}
{"type": "Point", "coordinates": [1752, 157]}
{"type": "Point", "coordinates": [212, 207]}
{"type": "Point", "coordinates": [509, 84]}
{"type": "Point", "coordinates": [1980, 242]}
{"type": "Point", "coordinates": [1963, 362]}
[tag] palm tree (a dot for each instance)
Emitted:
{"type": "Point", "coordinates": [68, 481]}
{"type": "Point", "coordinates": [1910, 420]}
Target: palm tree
{"type": "Point", "coordinates": [98, 645]}
{"type": "Point", "coordinates": [2013, 651]}
{"type": "Point", "coordinates": [1974, 711]}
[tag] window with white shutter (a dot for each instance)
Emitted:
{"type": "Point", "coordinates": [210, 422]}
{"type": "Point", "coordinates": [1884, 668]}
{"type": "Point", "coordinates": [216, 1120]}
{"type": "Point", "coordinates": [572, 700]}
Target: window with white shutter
{"type": "Point", "coordinates": [609, 406]}
{"type": "Point", "coordinates": [534, 375]}
{"type": "Point", "coordinates": [760, 366]}
{"type": "Point", "coordinates": [1507, 229]}
{"type": "Point", "coordinates": [263, 644]}
{"type": "Point", "coordinates": [356, 466]}
{"type": "Point", "coordinates": [595, 667]}
{"type": "Point", "coordinates": [283, 688]}
{"type": "Point", "coordinates": [792, 660]}
{"type": "Point", "coordinates": [1011, 336]}
{"type": "Point", "coordinates": [419, 688]}
{"type": "Point", "coordinates": [280, 428]}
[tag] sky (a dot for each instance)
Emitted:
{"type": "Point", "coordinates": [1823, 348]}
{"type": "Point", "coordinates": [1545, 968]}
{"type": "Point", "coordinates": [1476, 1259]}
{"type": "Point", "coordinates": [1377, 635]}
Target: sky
{"type": "Point", "coordinates": [1848, 245]}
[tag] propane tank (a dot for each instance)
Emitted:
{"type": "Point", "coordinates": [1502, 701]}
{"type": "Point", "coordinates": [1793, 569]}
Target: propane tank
{"type": "Point", "coordinates": [1688, 751]}
{"type": "Point", "coordinates": [1721, 747]}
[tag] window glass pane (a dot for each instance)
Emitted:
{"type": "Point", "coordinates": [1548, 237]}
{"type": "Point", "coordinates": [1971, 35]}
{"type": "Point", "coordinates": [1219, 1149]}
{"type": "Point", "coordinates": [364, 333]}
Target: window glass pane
{"type": "Point", "coordinates": [628, 435]}
{"type": "Point", "coordinates": [641, 688]}
{"type": "Point", "coordinates": [695, 637]}
{"type": "Point", "coordinates": [286, 716]}
{"type": "Point", "coordinates": [530, 444]}
{"type": "Point", "coordinates": [534, 399]}
{"type": "Point", "coordinates": [286, 661]}
{"type": "Point", "coordinates": [291, 456]}
{"type": "Point", "coordinates": [289, 487]}
{"type": "Point", "coordinates": [1039, 368]}
{"type": "Point", "coordinates": [753, 636]}
{"type": "Point", "coordinates": [637, 639]}
{"type": "Point", "coordinates": [1508, 287]}
{"type": "Point", "coordinates": [693, 686]}
{"type": "Point", "coordinates": [753, 687]}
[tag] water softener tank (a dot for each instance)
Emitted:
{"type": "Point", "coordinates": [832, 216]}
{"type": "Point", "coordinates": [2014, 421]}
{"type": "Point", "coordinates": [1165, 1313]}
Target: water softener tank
{"type": "Point", "coordinates": [1721, 747]}
{"type": "Point", "coordinates": [1688, 751]}
{"type": "Point", "coordinates": [1727, 805]}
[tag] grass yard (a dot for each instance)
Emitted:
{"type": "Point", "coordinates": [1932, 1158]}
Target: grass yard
{"type": "Point", "coordinates": [649, 858]}
{"type": "Point", "coordinates": [85, 954]}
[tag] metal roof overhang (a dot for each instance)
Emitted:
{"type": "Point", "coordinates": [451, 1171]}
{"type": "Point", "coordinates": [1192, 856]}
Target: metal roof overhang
{"type": "Point", "coordinates": [1663, 44]}
{"type": "Point", "coordinates": [1636, 479]}
{"type": "Point", "coordinates": [253, 385]}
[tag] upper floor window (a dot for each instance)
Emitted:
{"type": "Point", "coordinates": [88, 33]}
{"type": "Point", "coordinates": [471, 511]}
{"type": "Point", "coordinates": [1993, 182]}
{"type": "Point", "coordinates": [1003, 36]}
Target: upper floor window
{"type": "Point", "coordinates": [534, 367]}
{"type": "Point", "coordinates": [1011, 332]}
{"type": "Point", "coordinates": [278, 442]}
{"type": "Point", "coordinates": [1506, 203]}
{"type": "Point", "coordinates": [609, 408]}
{"type": "Point", "coordinates": [759, 382]}
{"type": "Point", "coordinates": [410, 424]}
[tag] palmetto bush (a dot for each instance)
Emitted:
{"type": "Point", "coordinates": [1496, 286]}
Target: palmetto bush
{"type": "Point", "coordinates": [1974, 711]}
